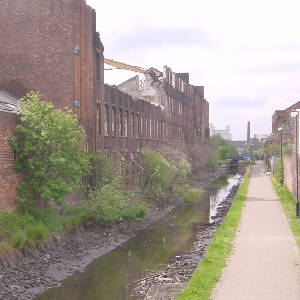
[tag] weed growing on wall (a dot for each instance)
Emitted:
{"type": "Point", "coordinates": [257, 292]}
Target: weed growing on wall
{"type": "Point", "coordinates": [50, 151]}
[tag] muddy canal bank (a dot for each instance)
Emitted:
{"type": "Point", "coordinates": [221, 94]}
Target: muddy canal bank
{"type": "Point", "coordinates": [170, 280]}
{"type": "Point", "coordinates": [45, 266]}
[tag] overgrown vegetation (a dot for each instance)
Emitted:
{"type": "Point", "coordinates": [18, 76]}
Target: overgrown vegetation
{"type": "Point", "coordinates": [50, 151]}
{"type": "Point", "coordinates": [112, 202]}
{"type": "Point", "coordinates": [162, 177]}
{"type": "Point", "coordinates": [192, 194]}
{"type": "Point", "coordinates": [51, 155]}
{"type": "Point", "coordinates": [209, 271]}
{"type": "Point", "coordinates": [221, 150]}
{"type": "Point", "coordinates": [288, 203]}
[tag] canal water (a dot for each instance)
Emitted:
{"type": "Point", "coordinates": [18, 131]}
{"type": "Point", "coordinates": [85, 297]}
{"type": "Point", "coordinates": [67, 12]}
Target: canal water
{"type": "Point", "coordinates": [110, 276]}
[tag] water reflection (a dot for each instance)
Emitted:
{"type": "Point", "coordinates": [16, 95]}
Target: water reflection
{"type": "Point", "coordinates": [109, 276]}
{"type": "Point", "coordinates": [225, 183]}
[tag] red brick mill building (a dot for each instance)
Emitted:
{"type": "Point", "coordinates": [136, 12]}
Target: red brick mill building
{"type": "Point", "coordinates": [52, 46]}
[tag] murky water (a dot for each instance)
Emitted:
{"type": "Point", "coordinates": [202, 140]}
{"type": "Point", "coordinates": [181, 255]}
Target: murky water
{"type": "Point", "coordinates": [109, 277]}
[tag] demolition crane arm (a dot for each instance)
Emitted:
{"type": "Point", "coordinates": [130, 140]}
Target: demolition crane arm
{"type": "Point", "coordinates": [121, 65]}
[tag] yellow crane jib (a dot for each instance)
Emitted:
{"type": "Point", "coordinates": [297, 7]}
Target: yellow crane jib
{"type": "Point", "coordinates": [121, 65]}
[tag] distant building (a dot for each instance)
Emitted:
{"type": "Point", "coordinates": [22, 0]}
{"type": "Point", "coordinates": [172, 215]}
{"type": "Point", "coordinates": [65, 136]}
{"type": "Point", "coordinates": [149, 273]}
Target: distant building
{"type": "Point", "coordinates": [281, 118]}
{"type": "Point", "coordinates": [225, 134]}
{"type": "Point", "coordinates": [261, 137]}
{"type": "Point", "coordinates": [240, 145]}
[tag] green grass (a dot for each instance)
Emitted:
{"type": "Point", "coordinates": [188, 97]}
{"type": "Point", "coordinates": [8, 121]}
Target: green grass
{"type": "Point", "coordinates": [209, 271]}
{"type": "Point", "coordinates": [288, 203]}
{"type": "Point", "coordinates": [17, 229]}
{"type": "Point", "coordinates": [192, 194]}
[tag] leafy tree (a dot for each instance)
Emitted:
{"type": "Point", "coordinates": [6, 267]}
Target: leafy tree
{"type": "Point", "coordinates": [50, 151]}
{"type": "Point", "coordinates": [221, 150]}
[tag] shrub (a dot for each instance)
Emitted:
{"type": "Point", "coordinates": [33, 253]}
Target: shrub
{"type": "Point", "coordinates": [36, 232]}
{"type": "Point", "coordinates": [192, 195]}
{"type": "Point", "coordinates": [51, 153]}
{"type": "Point", "coordinates": [220, 150]}
{"type": "Point", "coordinates": [104, 170]}
{"type": "Point", "coordinates": [106, 204]}
{"type": "Point", "coordinates": [73, 215]}
{"type": "Point", "coordinates": [11, 222]}
{"type": "Point", "coordinates": [279, 171]}
{"type": "Point", "coordinates": [184, 169]}
{"type": "Point", "coordinates": [111, 202]}
{"type": "Point", "coordinates": [18, 239]}
{"type": "Point", "coordinates": [136, 210]}
{"type": "Point", "coordinates": [158, 172]}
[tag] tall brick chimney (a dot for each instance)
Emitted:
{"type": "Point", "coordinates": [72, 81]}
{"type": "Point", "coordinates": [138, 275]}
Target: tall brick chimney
{"type": "Point", "coordinates": [248, 133]}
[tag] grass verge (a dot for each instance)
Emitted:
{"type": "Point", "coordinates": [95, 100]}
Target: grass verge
{"type": "Point", "coordinates": [288, 203]}
{"type": "Point", "coordinates": [209, 271]}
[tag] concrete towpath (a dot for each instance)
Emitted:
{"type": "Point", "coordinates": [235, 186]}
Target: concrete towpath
{"type": "Point", "coordinates": [264, 263]}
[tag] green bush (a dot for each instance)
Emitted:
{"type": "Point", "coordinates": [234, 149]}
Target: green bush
{"type": "Point", "coordinates": [158, 173]}
{"type": "Point", "coordinates": [36, 232]}
{"type": "Point", "coordinates": [105, 172]}
{"type": "Point", "coordinates": [136, 210]}
{"type": "Point", "coordinates": [18, 239]}
{"type": "Point", "coordinates": [111, 202]}
{"type": "Point", "coordinates": [192, 195]}
{"type": "Point", "coordinates": [11, 222]}
{"type": "Point", "coordinates": [279, 171]}
{"type": "Point", "coordinates": [184, 169]}
{"type": "Point", "coordinates": [51, 153]}
{"type": "Point", "coordinates": [220, 150]}
{"type": "Point", "coordinates": [106, 204]}
{"type": "Point", "coordinates": [73, 215]}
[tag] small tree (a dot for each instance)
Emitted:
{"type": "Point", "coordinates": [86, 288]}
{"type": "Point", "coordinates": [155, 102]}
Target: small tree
{"type": "Point", "coordinates": [50, 152]}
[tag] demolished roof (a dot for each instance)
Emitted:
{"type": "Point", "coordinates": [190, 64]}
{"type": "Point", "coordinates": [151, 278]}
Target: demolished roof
{"type": "Point", "coordinates": [8, 102]}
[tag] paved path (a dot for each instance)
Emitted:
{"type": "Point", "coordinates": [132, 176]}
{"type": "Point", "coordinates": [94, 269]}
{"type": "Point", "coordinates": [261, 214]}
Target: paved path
{"type": "Point", "coordinates": [264, 261]}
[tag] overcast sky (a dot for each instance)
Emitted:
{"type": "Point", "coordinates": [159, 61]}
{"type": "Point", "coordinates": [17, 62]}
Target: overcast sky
{"type": "Point", "coordinates": [245, 53]}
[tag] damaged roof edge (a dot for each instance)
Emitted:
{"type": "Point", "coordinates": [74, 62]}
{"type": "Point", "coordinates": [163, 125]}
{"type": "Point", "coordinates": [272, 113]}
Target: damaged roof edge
{"type": "Point", "coordinates": [8, 102]}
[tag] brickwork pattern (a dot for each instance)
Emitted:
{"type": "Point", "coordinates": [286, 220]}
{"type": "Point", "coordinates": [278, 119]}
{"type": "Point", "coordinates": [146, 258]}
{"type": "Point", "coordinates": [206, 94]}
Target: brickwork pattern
{"type": "Point", "coordinates": [8, 176]}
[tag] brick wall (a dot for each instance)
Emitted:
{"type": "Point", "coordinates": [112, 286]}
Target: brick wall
{"type": "Point", "coordinates": [38, 54]}
{"type": "Point", "coordinates": [8, 176]}
{"type": "Point", "coordinates": [290, 172]}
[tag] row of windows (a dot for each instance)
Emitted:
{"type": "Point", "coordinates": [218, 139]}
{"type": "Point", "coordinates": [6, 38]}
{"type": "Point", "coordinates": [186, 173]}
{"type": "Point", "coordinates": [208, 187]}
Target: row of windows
{"type": "Point", "coordinates": [174, 106]}
{"type": "Point", "coordinates": [120, 123]}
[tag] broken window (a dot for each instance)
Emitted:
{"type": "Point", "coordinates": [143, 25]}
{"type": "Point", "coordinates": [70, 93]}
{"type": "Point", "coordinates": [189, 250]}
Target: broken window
{"type": "Point", "coordinates": [97, 66]}
{"type": "Point", "coordinates": [138, 126]}
{"type": "Point", "coordinates": [98, 119]}
{"type": "Point", "coordinates": [114, 122]}
{"type": "Point", "coordinates": [106, 118]}
{"type": "Point", "coordinates": [126, 123]}
{"type": "Point", "coordinates": [132, 125]}
{"type": "Point", "coordinates": [121, 123]}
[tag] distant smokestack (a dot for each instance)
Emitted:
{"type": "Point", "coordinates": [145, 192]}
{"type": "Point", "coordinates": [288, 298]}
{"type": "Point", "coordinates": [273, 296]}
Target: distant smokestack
{"type": "Point", "coordinates": [248, 133]}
